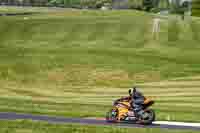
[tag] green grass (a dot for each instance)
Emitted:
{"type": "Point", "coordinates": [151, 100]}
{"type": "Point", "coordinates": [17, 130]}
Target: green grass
{"type": "Point", "coordinates": [10, 9]}
{"type": "Point", "coordinates": [42, 127]}
{"type": "Point", "coordinates": [195, 8]}
{"type": "Point", "coordinates": [75, 63]}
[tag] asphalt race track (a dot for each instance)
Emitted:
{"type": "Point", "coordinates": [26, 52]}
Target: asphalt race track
{"type": "Point", "coordinates": [51, 119]}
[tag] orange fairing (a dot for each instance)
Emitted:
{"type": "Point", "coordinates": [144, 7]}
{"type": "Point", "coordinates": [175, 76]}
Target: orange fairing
{"type": "Point", "coordinates": [123, 108]}
{"type": "Point", "coordinates": [147, 100]}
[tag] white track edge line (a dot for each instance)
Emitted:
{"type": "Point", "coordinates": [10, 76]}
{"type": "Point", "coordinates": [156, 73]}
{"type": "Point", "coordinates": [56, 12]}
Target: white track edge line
{"type": "Point", "coordinates": [173, 123]}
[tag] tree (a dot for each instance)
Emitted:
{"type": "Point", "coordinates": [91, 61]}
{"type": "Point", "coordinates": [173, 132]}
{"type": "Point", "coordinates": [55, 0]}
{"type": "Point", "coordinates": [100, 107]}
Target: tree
{"type": "Point", "coordinates": [148, 4]}
{"type": "Point", "coordinates": [195, 8]}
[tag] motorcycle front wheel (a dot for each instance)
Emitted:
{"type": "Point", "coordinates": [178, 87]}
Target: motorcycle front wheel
{"type": "Point", "coordinates": [151, 117]}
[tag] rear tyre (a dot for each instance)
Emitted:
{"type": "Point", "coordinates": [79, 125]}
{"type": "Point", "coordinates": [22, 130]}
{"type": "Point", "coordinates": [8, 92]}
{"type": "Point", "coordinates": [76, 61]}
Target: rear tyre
{"type": "Point", "coordinates": [111, 116]}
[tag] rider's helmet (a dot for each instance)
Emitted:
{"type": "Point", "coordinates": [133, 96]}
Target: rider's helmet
{"type": "Point", "coordinates": [136, 93]}
{"type": "Point", "coordinates": [134, 90]}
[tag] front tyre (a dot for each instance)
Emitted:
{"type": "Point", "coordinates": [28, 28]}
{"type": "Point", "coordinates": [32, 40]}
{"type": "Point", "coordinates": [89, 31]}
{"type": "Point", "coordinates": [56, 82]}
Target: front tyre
{"type": "Point", "coordinates": [151, 117]}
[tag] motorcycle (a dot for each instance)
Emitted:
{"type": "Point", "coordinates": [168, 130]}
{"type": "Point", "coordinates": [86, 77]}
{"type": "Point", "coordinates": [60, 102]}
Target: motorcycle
{"type": "Point", "coordinates": [123, 112]}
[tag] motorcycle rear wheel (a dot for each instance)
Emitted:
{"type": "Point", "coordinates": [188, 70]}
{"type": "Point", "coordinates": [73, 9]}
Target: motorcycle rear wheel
{"type": "Point", "coordinates": [110, 117]}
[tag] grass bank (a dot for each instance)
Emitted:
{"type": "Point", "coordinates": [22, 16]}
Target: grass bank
{"type": "Point", "coordinates": [75, 63]}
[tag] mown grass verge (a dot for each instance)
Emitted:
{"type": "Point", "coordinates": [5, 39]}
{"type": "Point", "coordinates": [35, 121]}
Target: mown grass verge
{"type": "Point", "coordinates": [43, 127]}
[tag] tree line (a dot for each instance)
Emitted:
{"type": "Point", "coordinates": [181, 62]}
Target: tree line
{"type": "Point", "coordinates": [24, 2]}
{"type": "Point", "coordinates": [59, 3]}
{"type": "Point", "coordinates": [148, 5]}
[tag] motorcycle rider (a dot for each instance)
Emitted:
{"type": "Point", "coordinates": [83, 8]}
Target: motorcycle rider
{"type": "Point", "coordinates": [138, 100]}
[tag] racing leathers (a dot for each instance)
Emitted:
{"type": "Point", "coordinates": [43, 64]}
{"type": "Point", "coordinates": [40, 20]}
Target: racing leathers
{"type": "Point", "coordinates": [137, 103]}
